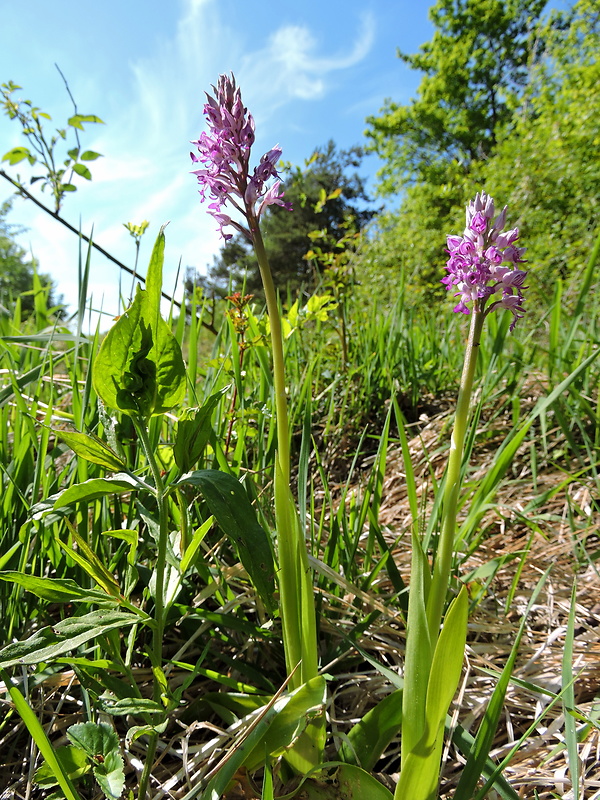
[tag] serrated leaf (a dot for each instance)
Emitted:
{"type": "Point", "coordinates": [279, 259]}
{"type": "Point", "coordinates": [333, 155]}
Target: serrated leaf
{"type": "Point", "coordinates": [111, 775]}
{"type": "Point", "coordinates": [50, 642]}
{"type": "Point", "coordinates": [229, 504]}
{"type": "Point", "coordinates": [101, 744]}
{"type": "Point", "coordinates": [91, 448]}
{"type": "Point", "coordinates": [94, 738]}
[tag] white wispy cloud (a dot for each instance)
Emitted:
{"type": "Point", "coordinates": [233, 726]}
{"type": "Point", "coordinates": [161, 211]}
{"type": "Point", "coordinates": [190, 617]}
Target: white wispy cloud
{"type": "Point", "coordinates": [156, 108]}
{"type": "Point", "coordinates": [289, 65]}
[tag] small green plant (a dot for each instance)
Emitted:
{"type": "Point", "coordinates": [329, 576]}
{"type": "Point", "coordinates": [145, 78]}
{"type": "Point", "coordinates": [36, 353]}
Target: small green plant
{"type": "Point", "coordinates": [57, 171]}
{"type": "Point", "coordinates": [94, 751]}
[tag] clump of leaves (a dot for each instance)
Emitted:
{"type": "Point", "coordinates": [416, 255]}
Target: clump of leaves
{"type": "Point", "coordinates": [94, 749]}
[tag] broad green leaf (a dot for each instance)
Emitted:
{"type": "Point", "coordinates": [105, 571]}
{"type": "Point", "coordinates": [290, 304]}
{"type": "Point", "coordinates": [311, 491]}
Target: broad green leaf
{"type": "Point", "coordinates": [73, 761]}
{"type": "Point", "coordinates": [193, 432]}
{"type": "Point", "coordinates": [94, 488]}
{"type": "Point", "coordinates": [91, 448]}
{"type": "Point", "coordinates": [252, 732]}
{"type": "Point", "coordinates": [55, 590]}
{"type": "Point", "coordinates": [418, 651]}
{"type": "Point", "coordinates": [368, 739]}
{"type": "Point", "coordinates": [93, 738]}
{"type": "Point", "coordinates": [154, 275]}
{"type": "Point", "coordinates": [110, 775]}
{"type": "Point", "coordinates": [419, 775]}
{"type": "Point", "coordinates": [139, 368]}
{"type": "Point", "coordinates": [447, 661]}
{"type": "Point", "coordinates": [49, 642]}
{"type": "Point", "coordinates": [356, 784]}
{"type": "Point", "coordinates": [91, 118]}
{"type": "Point", "coordinates": [133, 705]}
{"type": "Point", "coordinates": [82, 170]}
{"type": "Point", "coordinates": [305, 703]}
{"type": "Point", "coordinates": [77, 119]}
{"type": "Point", "coordinates": [16, 155]}
{"type": "Point", "coordinates": [89, 155]}
{"type": "Point", "coordinates": [101, 744]}
{"type": "Point", "coordinates": [229, 504]}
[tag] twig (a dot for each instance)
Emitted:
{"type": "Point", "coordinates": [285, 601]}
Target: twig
{"type": "Point", "coordinates": [23, 191]}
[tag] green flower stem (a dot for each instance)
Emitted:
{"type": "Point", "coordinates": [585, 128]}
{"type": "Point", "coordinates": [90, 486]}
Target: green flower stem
{"type": "Point", "coordinates": [443, 560]}
{"type": "Point", "coordinates": [295, 577]}
{"type": "Point", "coordinates": [283, 431]}
{"type": "Point", "coordinates": [161, 556]}
{"type": "Point", "coordinates": [159, 608]}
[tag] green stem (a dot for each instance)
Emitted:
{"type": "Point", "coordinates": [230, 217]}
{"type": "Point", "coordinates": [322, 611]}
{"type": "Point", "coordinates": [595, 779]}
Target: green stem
{"type": "Point", "coordinates": [145, 776]}
{"type": "Point", "coordinates": [443, 559]}
{"type": "Point", "coordinates": [283, 431]}
{"type": "Point", "coordinates": [296, 590]}
{"type": "Point", "coordinates": [159, 602]}
{"type": "Point", "coordinates": [295, 577]}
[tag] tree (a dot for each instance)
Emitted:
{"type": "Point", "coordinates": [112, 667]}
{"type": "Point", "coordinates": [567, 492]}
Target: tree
{"type": "Point", "coordinates": [475, 67]}
{"type": "Point", "coordinates": [16, 267]}
{"type": "Point", "coordinates": [547, 166]}
{"type": "Point", "coordinates": [543, 165]}
{"type": "Point", "coordinates": [325, 197]}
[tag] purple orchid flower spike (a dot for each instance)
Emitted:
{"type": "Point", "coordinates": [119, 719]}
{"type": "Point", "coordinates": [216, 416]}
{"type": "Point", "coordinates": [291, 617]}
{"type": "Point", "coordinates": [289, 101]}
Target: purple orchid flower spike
{"type": "Point", "coordinates": [224, 156]}
{"type": "Point", "coordinates": [483, 262]}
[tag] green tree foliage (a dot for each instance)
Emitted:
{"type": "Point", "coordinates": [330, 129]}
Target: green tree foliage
{"type": "Point", "coordinates": [539, 156]}
{"type": "Point", "coordinates": [547, 167]}
{"type": "Point", "coordinates": [474, 68]}
{"type": "Point", "coordinates": [326, 197]}
{"type": "Point", "coordinates": [16, 266]}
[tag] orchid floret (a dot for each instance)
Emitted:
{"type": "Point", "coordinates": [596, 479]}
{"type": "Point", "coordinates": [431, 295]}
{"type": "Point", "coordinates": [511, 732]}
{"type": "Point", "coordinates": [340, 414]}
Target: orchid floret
{"type": "Point", "coordinates": [483, 262]}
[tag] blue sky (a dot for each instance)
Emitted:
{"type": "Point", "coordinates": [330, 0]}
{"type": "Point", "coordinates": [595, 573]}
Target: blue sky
{"type": "Point", "coordinates": [308, 72]}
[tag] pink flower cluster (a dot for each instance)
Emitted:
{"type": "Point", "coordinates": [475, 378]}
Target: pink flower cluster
{"type": "Point", "coordinates": [224, 153]}
{"type": "Point", "coordinates": [483, 262]}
